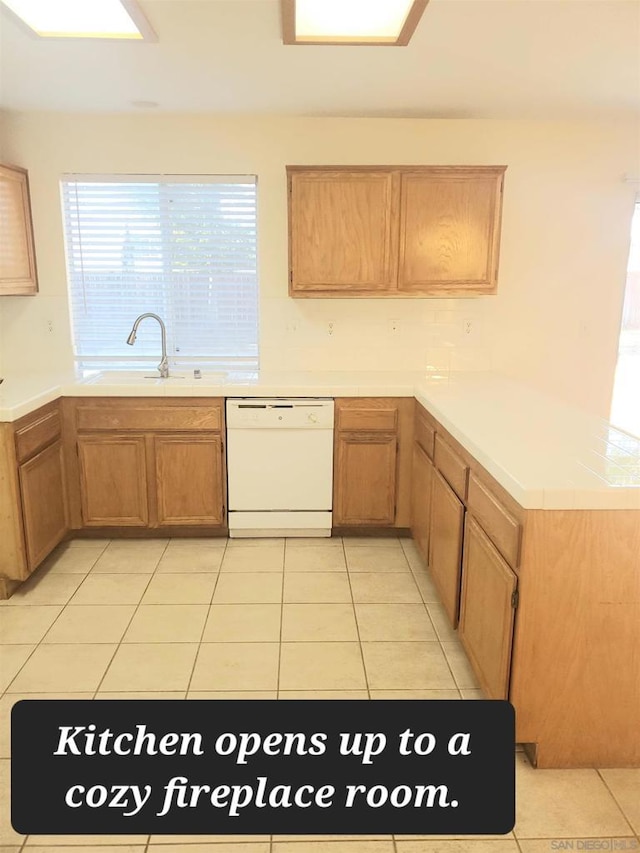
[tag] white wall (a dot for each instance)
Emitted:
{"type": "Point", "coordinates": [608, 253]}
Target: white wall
{"type": "Point", "coordinates": [565, 238]}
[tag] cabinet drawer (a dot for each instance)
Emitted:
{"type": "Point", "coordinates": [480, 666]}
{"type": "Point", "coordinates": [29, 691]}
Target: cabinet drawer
{"type": "Point", "coordinates": [37, 435]}
{"type": "Point", "coordinates": [141, 418]}
{"type": "Point", "coordinates": [454, 469]}
{"type": "Point", "coordinates": [500, 526]}
{"type": "Point", "coordinates": [383, 420]}
{"type": "Point", "coordinates": [425, 434]}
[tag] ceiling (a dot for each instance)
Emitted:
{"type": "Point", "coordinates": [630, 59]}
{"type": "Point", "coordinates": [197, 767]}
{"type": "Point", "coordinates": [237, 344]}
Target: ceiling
{"type": "Point", "coordinates": [467, 59]}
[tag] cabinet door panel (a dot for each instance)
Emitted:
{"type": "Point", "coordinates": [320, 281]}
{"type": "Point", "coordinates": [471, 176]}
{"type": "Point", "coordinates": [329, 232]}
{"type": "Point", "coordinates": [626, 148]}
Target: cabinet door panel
{"type": "Point", "coordinates": [449, 228]}
{"type": "Point", "coordinates": [422, 476]}
{"type": "Point", "coordinates": [113, 480]}
{"type": "Point", "coordinates": [445, 544]}
{"type": "Point", "coordinates": [487, 612]}
{"type": "Point", "coordinates": [342, 231]}
{"type": "Point", "coordinates": [365, 488]}
{"type": "Point", "coordinates": [17, 257]}
{"type": "Point", "coordinates": [43, 503]}
{"type": "Point", "coordinates": [189, 480]}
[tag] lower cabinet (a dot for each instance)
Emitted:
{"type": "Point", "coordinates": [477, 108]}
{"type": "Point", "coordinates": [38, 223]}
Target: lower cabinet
{"type": "Point", "coordinates": [372, 462]}
{"type": "Point", "coordinates": [113, 480]}
{"type": "Point", "coordinates": [487, 611]}
{"type": "Point", "coordinates": [43, 502]}
{"type": "Point", "coordinates": [445, 544]}
{"type": "Point", "coordinates": [365, 487]}
{"type": "Point", "coordinates": [421, 484]}
{"type": "Point", "coordinates": [33, 498]}
{"type": "Point", "coordinates": [145, 463]}
{"type": "Point", "coordinates": [188, 476]}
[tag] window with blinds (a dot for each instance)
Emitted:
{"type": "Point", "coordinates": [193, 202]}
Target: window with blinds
{"type": "Point", "coordinates": [181, 247]}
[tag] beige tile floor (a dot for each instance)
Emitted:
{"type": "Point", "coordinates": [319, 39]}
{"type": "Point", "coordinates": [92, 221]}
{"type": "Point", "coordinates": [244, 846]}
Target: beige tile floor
{"type": "Point", "coordinates": [352, 618]}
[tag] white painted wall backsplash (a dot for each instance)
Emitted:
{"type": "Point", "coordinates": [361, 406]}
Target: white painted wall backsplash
{"type": "Point", "coordinates": [565, 236]}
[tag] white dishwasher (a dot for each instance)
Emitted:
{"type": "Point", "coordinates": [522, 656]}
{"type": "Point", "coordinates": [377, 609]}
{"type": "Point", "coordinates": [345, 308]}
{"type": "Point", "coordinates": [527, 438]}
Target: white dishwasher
{"type": "Point", "coordinates": [280, 467]}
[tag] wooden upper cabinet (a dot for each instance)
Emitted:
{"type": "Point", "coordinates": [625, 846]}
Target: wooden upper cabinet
{"type": "Point", "coordinates": [394, 231]}
{"type": "Point", "coordinates": [342, 230]}
{"type": "Point", "coordinates": [450, 228]}
{"type": "Point", "coordinates": [17, 255]}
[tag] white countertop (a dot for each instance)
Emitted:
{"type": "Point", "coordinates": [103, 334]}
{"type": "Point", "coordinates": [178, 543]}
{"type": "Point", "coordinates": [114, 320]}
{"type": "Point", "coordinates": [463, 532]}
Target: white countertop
{"type": "Point", "coordinates": [546, 454]}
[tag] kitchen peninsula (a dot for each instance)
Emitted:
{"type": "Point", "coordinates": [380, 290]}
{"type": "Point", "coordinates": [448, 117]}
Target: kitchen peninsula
{"type": "Point", "coordinates": [546, 505]}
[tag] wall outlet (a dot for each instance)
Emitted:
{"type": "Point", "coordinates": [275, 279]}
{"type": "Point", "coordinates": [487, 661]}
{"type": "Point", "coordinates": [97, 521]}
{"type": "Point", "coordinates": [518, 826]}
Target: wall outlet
{"type": "Point", "coordinates": [467, 326]}
{"type": "Point", "coordinates": [50, 326]}
{"type": "Point", "coordinates": [393, 326]}
{"type": "Point", "coordinates": [331, 328]}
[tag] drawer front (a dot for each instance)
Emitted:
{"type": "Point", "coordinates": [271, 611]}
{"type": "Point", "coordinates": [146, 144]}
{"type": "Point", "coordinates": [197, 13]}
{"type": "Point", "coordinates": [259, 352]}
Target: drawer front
{"type": "Point", "coordinates": [37, 435]}
{"type": "Point", "coordinates": [499, 525]}
{"type": "Point", "coordinates": [383, 420]}
{"type": "Point", "coordinates": [454, 469]}
{"type": "Point", "coordinates": [140, 418]}
{"type": "Point", "coordinates": [425, 434]}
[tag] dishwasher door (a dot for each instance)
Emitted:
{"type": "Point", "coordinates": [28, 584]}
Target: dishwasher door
{"type": "Point", "coordinates": [280, 467]}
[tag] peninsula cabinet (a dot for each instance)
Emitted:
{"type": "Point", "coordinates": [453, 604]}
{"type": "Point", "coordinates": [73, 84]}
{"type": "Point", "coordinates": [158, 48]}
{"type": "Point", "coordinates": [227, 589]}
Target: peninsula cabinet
{"type": "Point", "coordinates": [445, 544]}
{"type": "Point", "coordinates": [549, 603]}
{"type": "Point", "coordinates": [33, 512]}
{"type": "Point", "coordinates": [394, 230]}
{"type": "Point", "coordinates": [372, 462]}
{"type": "Point", "coordinates": [487, 611]}
{"type": "Point", "coordinates": [146, 463]}
{"type": "Point", "coordinates": [17, 254]}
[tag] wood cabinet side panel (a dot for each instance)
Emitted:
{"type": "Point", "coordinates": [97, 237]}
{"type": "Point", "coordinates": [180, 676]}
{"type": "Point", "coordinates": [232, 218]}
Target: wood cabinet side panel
{"type": "Point", "coordinates": [576, 663]}
{"type": "Point", "coordinates": [406, 422]}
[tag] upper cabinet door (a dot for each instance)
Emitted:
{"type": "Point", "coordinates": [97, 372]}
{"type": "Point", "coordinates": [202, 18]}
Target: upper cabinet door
{"type": "Point", "coordinates": [343, 231]}
{"type": "Point", "coordinates": [450, 230]}
{"type": "Point", "coordinates": [17, 256]}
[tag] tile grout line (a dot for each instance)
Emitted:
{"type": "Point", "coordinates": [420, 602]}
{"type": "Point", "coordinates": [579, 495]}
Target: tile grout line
{"type": "Point", "coordinates": [62, 609]}
{"type": "Point", "coordinates": [284, 563]}
{"type": "Point", "coordinates": [136, 608]}
{"type": "Point", "coordinates": [204, 627]}
{"type": "Point", "coordinates": [355, 616]}
{"type": "Point", "coordinates": [615, 799]}
{"type": "Point", "coordinates": [435, 630]}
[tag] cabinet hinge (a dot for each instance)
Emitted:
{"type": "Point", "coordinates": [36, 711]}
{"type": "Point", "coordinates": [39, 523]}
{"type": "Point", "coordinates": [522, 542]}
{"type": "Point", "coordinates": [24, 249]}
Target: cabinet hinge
{"type": "Point", "coordinates": [221, 446]}
{"type": "Point", "coordinates": [515, 598]}
{"type": "Point", "coordinates": [290, 276]}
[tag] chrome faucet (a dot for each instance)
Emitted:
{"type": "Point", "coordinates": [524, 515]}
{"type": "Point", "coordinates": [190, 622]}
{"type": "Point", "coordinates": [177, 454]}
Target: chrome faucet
{"type": "Point", "coordinates": [163, 367]}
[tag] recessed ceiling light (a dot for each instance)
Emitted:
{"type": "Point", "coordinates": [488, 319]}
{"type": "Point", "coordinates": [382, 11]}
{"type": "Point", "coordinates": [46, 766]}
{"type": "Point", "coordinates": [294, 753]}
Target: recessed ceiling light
{"type": "Point", "coordinates": [113, 19]}
{"type": "Point", "coordinates": [390, 22]}
{"type": "Point", "coordinates": [145, 105]}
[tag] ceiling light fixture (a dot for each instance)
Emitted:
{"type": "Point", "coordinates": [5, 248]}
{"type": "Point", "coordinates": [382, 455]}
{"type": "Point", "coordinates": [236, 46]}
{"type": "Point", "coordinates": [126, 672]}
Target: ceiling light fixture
{"type": "Point", "coordinates": [350, 22]}
{"type": "Point", "coordinates": [106, 19]}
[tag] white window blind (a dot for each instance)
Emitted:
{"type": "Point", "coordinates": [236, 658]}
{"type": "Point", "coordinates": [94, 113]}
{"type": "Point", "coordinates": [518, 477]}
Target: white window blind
{"type": "Point", "coordinates": [181, 247]}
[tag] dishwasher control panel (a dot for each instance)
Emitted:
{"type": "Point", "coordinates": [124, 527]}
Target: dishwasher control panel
{"type": "Point", "coordinates": [298, 413]}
